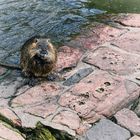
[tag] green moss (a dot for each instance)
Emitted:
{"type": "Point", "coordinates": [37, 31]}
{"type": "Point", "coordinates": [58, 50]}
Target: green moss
{"type": "Point", "coordinates": [40, 133]}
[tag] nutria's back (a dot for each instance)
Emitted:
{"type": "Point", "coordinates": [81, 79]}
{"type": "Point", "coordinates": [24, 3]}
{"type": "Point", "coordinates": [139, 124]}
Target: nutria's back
{"type": "Point", "coordinates": [38, 57]}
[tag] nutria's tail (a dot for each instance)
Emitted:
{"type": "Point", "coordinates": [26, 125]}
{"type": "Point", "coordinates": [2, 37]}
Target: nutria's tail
{"type": "Point", "coordinates": [10, 66]}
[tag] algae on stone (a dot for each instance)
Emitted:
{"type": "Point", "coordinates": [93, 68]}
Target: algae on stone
{"type": "Point", "coordinates": [40, 133]}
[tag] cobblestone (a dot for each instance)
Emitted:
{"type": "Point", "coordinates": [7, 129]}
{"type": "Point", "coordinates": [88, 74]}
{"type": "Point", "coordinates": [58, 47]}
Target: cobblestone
{"type": "Point", "coordinates": [129, 120]}
{"type": "Point", "coordinates": [135, 138]}
{"type": "Point", "coordinates": [107, 130]}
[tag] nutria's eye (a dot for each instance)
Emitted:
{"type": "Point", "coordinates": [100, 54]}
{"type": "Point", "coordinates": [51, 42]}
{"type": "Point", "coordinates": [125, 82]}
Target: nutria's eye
{"type": "Point", "coordinates": [35, 40]}
{"type": "Point", "coordinates": [48, 40]}
{"type": "Point", "coordinates": [38, 45]}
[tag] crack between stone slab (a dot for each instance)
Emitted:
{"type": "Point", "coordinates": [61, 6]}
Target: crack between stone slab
{"type": "Point", "coordinates": [33, 104]}
{"type": "Point", "coordinates": [39, 116]}
{"type": "Point", "coordinates": [8, 121]}
{"type": "Point", "coordinates": [5, 74]}
{"type": "Point", "coordinates": [106, 70]}
{"type": "Point", "coordinates": [127, 30]}
{"type": "Point", "coordinates": [113, 23]}
{"type": "Point", "coordinates": [111, 72]}
{"type": "Point", "coordinates": [62, 123]}
{"type": "Point", "coordinates": [14, 94]}
{"type": "Point", "coordinates": [116, 122]}
{"type": "Point", "coordinates": [131, 133]}
{"type": "Point", "coordinates": [117, 48]}
{"type": "Point", "coordinates": [133, 81]}
{"type": "Point", "coordinates": [92, 65]}
{"type": "Point", "coordinates": [12, 127]}
{"type": "Point", "coordinates": [120, 28]}
{"type": "Point", "coordinates": [3, 138]}
{"type": "Point", "coordinates": [134, 105]}
{"type": "Point", "coordinates": [123, 24]}
{"type": "Point", "coordinates": [27, 105]}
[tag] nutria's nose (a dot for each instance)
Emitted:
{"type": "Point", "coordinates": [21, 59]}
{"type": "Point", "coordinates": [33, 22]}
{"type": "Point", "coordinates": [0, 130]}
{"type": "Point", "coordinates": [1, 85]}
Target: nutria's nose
{"type": "Point", "coordinates": [43, 52]}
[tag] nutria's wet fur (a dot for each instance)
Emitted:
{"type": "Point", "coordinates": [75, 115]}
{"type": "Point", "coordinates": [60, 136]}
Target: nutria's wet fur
{"type": "Point", "coordinates": [38, 57]}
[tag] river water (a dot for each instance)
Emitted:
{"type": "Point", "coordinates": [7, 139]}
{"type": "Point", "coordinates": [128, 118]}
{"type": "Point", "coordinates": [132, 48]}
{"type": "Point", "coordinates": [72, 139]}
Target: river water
{"type": "Point", "coordinates": [56, 19]}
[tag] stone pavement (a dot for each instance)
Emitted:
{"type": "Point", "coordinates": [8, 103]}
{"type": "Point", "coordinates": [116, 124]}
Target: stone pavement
{"type": "Point", "coordinates": [99, 98]}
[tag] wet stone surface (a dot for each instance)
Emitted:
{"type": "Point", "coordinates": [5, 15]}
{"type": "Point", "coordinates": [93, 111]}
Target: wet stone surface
{"type": "Point", "coordinates": [2, 71]}
{"type": "Point", "coordinates": [100, 80]}
{"type": "Point", "coordinates": [95, 35]}
{"type": "Point", "coordinates": [9, 86]}
{"type": "Point", "coordinates": [68, 58]}
{"type": "Point", "coordinates": [113, 60]}
{"type": "Point", "coordinates": [129, 41]}
{"type": "Point", "coordinates": [8, 92]}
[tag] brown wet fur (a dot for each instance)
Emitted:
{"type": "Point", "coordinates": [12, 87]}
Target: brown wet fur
{"type": "Point", "coordinates": [38, 57]}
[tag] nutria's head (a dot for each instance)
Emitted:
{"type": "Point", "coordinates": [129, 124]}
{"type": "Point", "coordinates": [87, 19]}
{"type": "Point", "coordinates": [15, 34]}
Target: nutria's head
{"type": "Point", "coordinates": [42, 50]}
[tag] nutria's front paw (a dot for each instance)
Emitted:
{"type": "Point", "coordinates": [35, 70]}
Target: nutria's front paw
{"type": "Point", "coordinates": [55, 77]}
{"type": "Point", "coordinates": [31, 81]}
{"type": "Point", "coordinates": [25, 73]}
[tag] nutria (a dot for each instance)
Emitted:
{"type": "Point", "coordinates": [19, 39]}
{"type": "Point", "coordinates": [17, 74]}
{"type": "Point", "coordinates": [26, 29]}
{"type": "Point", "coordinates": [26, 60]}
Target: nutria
{"type": "Point", "coordinates": [38, 57]}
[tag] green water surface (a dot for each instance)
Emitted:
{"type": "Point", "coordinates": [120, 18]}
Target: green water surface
{"type": "Point", "coordinates": [115, 6]}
